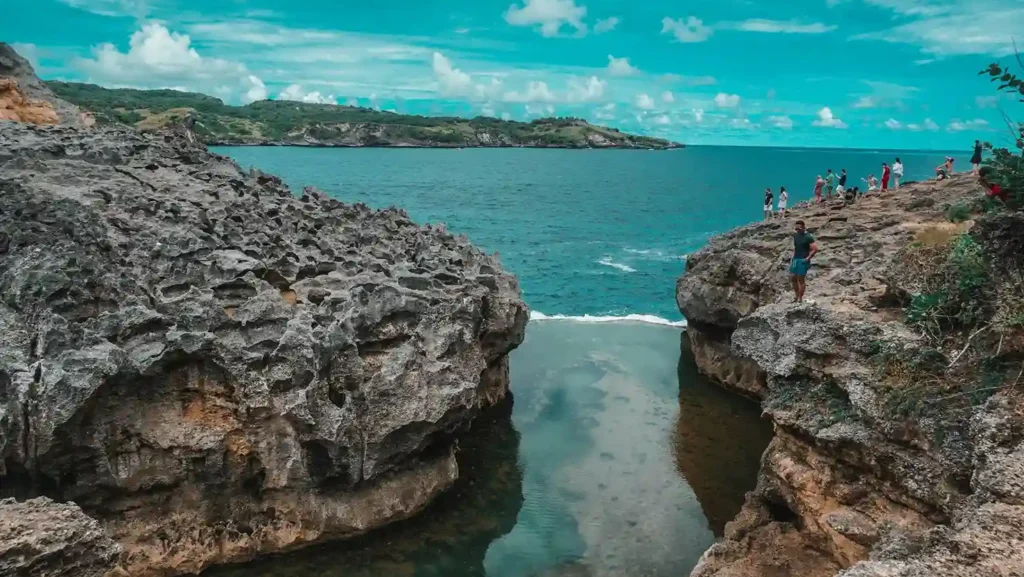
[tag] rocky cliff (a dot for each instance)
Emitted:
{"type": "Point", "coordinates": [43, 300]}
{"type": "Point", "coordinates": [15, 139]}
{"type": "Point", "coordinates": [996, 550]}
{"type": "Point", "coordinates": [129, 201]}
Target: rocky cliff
{"type": "Point", "coordinates": [215, 368]}
{"type": "Point", "coordinates": [24, 98]}
{"type": "Point", "coordinates": [898, 409]}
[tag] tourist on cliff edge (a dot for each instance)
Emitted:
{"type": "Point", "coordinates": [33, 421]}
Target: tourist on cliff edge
{"type": "Point", "coordinates": [897, 173]}
{"type": "Point", "coordinates": [769, 198]}
{"type": "Point", "coordinates": [783, 200]}
{"type": "Point", "coordinates": [976, 158]}
{"type": "Point", "coordinates": [804, 249]}
{"type": "Point", "coordinates": [817, 189]}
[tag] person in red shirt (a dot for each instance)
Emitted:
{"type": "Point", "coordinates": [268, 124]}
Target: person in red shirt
{"type": "Point", "coordinates": [885, 176]}
{"type": "Point", "coordinates": [991, 189]}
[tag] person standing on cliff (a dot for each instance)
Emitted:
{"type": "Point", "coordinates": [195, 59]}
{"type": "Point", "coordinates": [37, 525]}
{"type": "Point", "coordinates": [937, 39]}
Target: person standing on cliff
{"type": "Point", "coordinates": [817, 189]}
{"type": "Point", "coordinates": [804, 249]}
{"type": "Point", "coordinates": [897, 173]}
{"type": "Point", "coordinates": [885, 177]}
{"type": "Point", "coordinates": [769, 200]}
{"type": "Point", "coordinates": [830, 183]}
{"type": "Point", "coordinates": [976, 158]}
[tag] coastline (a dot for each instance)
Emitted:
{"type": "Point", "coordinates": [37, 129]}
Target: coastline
{"type": "Point", "coordinates": [674, 146]}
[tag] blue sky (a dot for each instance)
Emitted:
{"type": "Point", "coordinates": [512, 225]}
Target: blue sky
{"type": "Point", "coordinates": [842, 73]}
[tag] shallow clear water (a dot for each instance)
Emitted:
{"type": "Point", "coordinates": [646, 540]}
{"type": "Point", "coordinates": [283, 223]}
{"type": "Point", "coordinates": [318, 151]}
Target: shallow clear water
{"type": "Point", "coordinates": [588, 232]}
{"type": "Point", "coordinates": [619, 460]}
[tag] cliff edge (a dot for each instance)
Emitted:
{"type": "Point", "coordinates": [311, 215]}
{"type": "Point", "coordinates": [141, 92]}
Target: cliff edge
{"type": "Point", "coordinates": [215, 368]}
{"type": "Point", "coordinates": [25, 98]}
{"type": "Point", "coordinates": [895, 392]}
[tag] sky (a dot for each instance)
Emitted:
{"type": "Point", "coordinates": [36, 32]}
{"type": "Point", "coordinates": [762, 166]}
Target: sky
{"type": "Point", "coordinates": [818, 73]}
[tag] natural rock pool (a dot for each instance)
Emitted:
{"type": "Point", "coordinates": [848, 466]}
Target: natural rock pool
{"type": "Point", "coordinates": [619, 460]}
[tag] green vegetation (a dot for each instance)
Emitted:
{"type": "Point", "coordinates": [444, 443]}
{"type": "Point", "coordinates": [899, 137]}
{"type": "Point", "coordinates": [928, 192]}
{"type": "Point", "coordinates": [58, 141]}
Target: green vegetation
{"type": "Point", "coordinates": [287, 122]}
{"type": "Point", "coordinates": [955, 296]}
{"type": "Point", "coordinates": [1008, 164]}
{"type": "Point", "coordinates": [958, 212]}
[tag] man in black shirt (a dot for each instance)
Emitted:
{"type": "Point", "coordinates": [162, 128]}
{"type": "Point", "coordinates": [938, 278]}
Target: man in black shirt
{"type": "Point", "coordinates": [804, 249]}
{"type": "Point", "coordinates": [842, 182]}
{"type": "Point", "coordinates": [769, 200]}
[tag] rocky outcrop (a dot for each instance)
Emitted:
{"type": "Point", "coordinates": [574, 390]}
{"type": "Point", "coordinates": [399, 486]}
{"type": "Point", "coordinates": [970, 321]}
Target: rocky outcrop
{"type": "Point", "coordinates": [852, 482]}
{"type": "Point", "coordinates": [24, 98]}
{"type": "Point", "coordinates": [40, 538]}
{"type": "Point", "coordinates": [216, 369]}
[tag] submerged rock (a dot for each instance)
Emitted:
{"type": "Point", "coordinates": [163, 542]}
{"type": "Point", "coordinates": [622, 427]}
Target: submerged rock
{"type": "Point", "coordinates": [216, 369]}
{"type": "Point", "coordinates": [852, 482]}
{"type": "Point", "coordinates": [40, 538]}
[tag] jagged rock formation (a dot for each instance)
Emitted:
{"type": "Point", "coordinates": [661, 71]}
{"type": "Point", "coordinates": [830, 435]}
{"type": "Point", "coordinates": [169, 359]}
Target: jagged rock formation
{"type": "Point", "coordinates": [24, 98]}
{"type": "Point", "coordinates": [849, 483]}
{"type": "Point", "coordinates": [216, 369]}
{"type": "Point", "coordinates": [40, 538]}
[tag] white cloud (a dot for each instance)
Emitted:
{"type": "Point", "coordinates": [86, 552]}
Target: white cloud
{"type": "Point", "coordinates": [929, 124]}
{"type": "Point", "coordinates": [606, 112]}
{"type": "Point", "coordinates": [741, 123]}
{"type": "Point", "coordinates": [159, 58]}
{"type": "Point", "coordinates": [778, 26]}
{"type": "Point", "coordinates": [645, 102]}
{"type": "Point", "coordinates": [621, 67]}
{"type": "Point", "coordinates": [488, 111]}
{"type": "Point", "coordinates": [956, 125]}
{"type": "Point", "coordinates": [698, 115]}
{"type": "Point", "coordinates": [113, 8]}
{"type": "Point", "coordinates": [606, 25]}
{"type": "Point", "coordinates": [662, 119]}
{"type": "Point", "coordinates": [865, 102]}
{"type": "Point", "coordinates": [827, 119]}
{"type": "Point", "coordinates": [294, 92]}
{"type": "Point", "coordinates": [690, 30]}
{"type": "Point", "coordinates": [954, 27]}
{"type": "Point", "coordinates": [536, 91]}
{"type": "Point", "coordinates": [893, 124]}
{"type": "Point", "coordinates": [506, 116]}
{"type": "Point", "coordinates": [451, 80]}
{"type": "Point", "coordinates": [723, 100]}
{"type": "Point", "coordinates": [549, 15]}
{"type": "Point", "coordinates": [257, 91]}
{"type": "Point", "coordinates": [667, 97]}
{"type": "Point", "coordinates": [783, 122]}
{"type": "Point", "coordinates": [587, 90]}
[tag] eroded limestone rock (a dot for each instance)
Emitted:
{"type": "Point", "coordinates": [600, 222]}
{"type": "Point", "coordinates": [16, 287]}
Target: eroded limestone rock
{"type": "Point", "coordinates": [41, 538]}
{"type": "Point", "coordinates": [216, 369]}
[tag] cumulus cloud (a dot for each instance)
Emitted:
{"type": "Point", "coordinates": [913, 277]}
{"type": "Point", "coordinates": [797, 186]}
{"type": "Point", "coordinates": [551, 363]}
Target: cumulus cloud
{"type": "Point", "coordinates": [667, 97]}
{"type": "Point", "coordinates": [692, 29]}
{"type": "Point", "coordinates": [606, 25]}
{"type": "Point", "coordinates": [536, 91]}
{"type": "Point", "coordinates": [778, 26]}
{"type": "Point", "coordinates": [159, 58]}
{"type": "Point", "coordinates": [827, 119]}
{"type": "Point", "coordinates": [662, 120]}
{"type": "Point", "coordinates": [621, 67]}
{"type": "Point", "coordinates": [451, 80]}
{"type": "Point", "coordinates": [606, 112]}
{"type": "Point", "coordinates": [586, 90]}
{"type": "Point", "coordinates": [723, 100]}
{"type": "Point", "coordinates": [29, 52]}
{"type": "Point", "coordinates": [294, 92]}
{"type": "Point", "coordinates": [928, 124]}
{"type": "Point", "coordinates": [893, 124]}
{"type": "Point", "coordinates": [741, 123]}
{"type": "Point", "coordinates": [957, 125]}
{"type": "Point", "coordinates": [645, 102]}
{"type": "Point", "coordinates": [698, 115]}
{"type": "Point", "coordinates": [987, 101]}
{"type": "Point", "coordinates": [549, 15]}
{"type": "Point", "coordinates": [783, 122]}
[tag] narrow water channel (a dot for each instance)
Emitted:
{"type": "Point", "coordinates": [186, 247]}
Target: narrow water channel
{"type": "Point", "coordinates": [619, 459]}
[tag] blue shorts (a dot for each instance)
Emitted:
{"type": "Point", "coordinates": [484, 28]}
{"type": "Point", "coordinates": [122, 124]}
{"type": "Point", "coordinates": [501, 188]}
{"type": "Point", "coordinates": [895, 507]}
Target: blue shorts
{"type": "Point", "coordinates": [799, 267]}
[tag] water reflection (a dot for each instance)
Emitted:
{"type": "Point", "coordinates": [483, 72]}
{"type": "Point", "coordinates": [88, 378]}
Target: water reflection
{"type": "Point", "coordinates": [719, 440]}
{"type": "Point", "coordinates": [625, 462]}
{"type": "Point", "coordinates": [449, 539]}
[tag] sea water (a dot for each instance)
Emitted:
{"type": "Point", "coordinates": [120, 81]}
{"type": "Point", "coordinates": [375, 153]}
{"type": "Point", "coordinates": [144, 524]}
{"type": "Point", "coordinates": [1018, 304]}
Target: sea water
{"type": "Point", "coordinates": [618, 459]}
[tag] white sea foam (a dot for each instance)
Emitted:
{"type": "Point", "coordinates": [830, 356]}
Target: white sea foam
{"type": "Point", "coordinates": [634, 318]}
{"type": "Point", "coordinates": [655, 254]}
{"type": "Point", "coordinates": [616, 265]}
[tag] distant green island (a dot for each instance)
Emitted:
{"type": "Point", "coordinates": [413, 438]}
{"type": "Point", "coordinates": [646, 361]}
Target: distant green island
{"type": "Point", "coordinates": [287, 123]}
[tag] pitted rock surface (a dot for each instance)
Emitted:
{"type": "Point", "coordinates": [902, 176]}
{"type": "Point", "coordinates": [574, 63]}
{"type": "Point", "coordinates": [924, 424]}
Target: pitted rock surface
{"type": "Point", "coordinates": [847, 485]}
{"type": "Point", "coordinates": [215, 368]}
{"type": "Point", "coordinates": [41, 538]}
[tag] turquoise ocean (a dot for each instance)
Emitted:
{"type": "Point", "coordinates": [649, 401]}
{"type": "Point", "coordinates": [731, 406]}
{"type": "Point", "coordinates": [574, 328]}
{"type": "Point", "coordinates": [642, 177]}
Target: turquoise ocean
{"type": "Point", "coordinates": [619, 458]}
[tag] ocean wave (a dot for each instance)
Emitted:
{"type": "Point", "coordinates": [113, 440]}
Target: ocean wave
{"type": "Point", "coordinates": [655, 254]}
{"type": "Point", "coordinates": [634, 318]}
{"type": "Point", "coordinates": [616, 265]}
